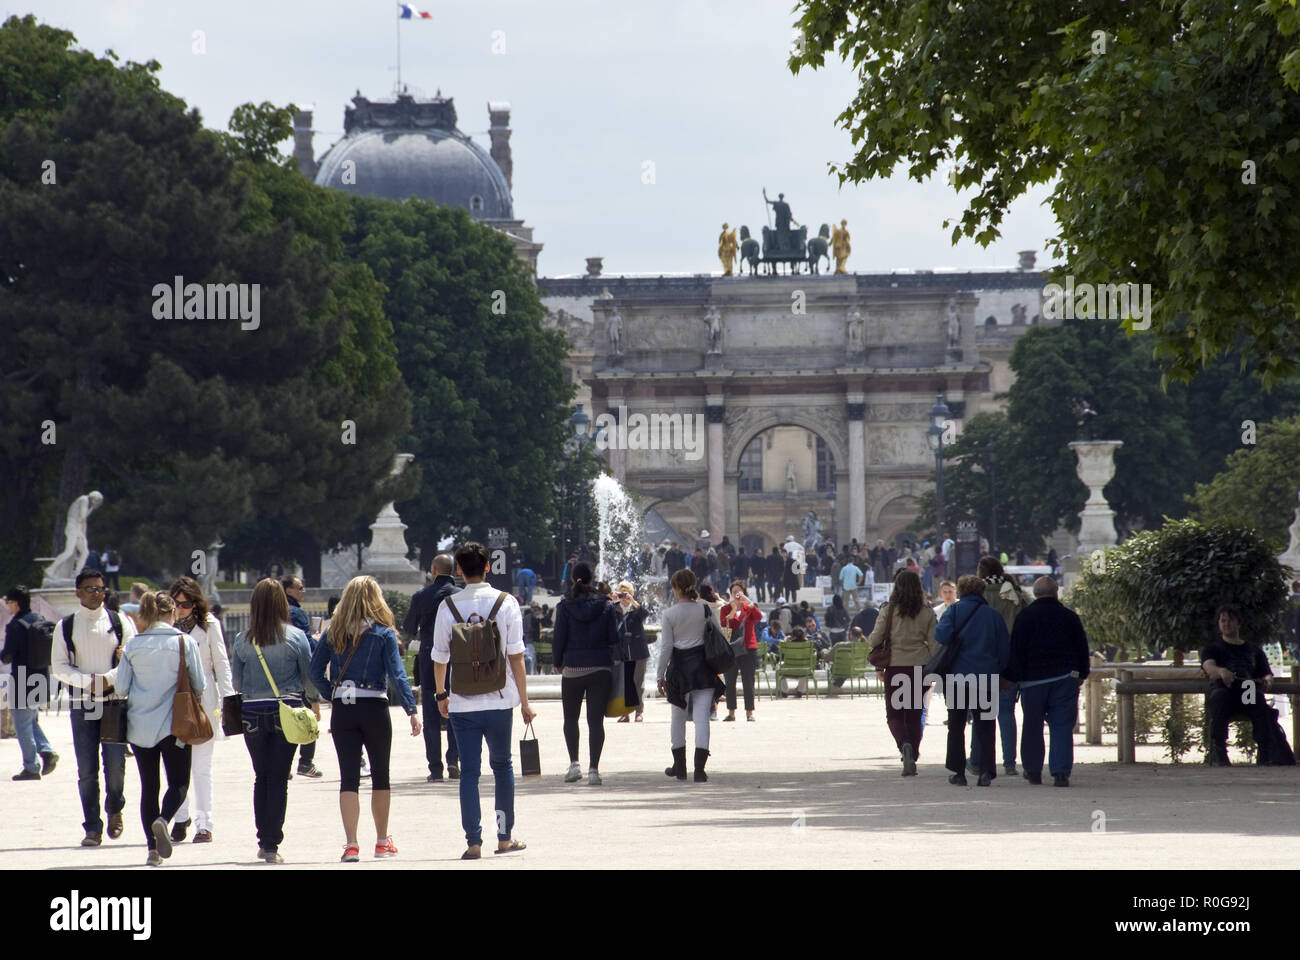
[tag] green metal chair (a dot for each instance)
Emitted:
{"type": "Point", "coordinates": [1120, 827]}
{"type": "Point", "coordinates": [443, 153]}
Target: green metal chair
{"type": "Point", "coordinates": [545, 655]}
{"type": "Point", "coordinates": [849, 663]}
{"type": "Point", "coordinates": [798, 662]}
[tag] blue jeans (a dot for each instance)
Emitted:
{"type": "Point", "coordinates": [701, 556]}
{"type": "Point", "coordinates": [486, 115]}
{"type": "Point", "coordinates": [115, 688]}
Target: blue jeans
{"type": "Point", "coordinates": [1006, 728]}
{"type": "Point", "coordinates": [471, 729]}
{"type": "Point", "coordinates": [1058, 703]}
{"type": "Point", "coordinates": [85, 741]}
{"type": "Point", "coordinates": [31, 738]}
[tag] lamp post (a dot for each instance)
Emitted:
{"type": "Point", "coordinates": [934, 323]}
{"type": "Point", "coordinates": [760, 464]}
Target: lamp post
{"type": "Point", "coordinates": [993, 497]}
{"type": "Point", "coordinates": [939, 415]}
{"type": "Point", "coordinates": [581, 423]}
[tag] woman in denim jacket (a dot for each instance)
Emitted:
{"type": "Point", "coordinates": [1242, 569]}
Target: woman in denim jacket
{"type": "Point", "coordinates": [270, 638]}
{"type": "Point", "coordinates": [361, 652]}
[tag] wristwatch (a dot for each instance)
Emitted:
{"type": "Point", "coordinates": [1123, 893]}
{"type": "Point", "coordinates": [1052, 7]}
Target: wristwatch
{"type": "Point", "coordinates": [441, 696]}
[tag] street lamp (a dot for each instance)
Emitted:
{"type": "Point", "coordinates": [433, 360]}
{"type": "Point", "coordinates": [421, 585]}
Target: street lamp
{"type": "Point", "coordinates": [581, 423]}
{"type": "Point", "coordinates": [993, 497]}
{"type": "Point", "coordinates": [939, 415]}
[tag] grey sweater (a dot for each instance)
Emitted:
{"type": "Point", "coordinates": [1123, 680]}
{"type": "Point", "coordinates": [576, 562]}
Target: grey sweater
{"type": "Point", "coordinates": [681, 627]}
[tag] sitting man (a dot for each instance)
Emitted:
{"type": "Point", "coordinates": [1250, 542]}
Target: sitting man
{"type": "Point", "coordinates": [801, 684]}
{"type": "Point", "coordinates": [772, 635]}
{"type": "Point", "coordinates": [1241, 675]}
{"type": "Point", "coordinates": [818, 639]}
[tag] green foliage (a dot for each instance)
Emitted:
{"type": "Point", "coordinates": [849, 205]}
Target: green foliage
{"type": "Point", "coordinates": [400, 604]}
{"type": "Point", "coordinates": [490, 393]}
{"type": "Point", "coordinates": [1161, 587]}
{"type": "Point", "coordinates": [1144, 141]}
{"type": "Point", "coordinates": [1258, 487]}
{"type": "Point", "coordinates": [189, 427]}
{"type": "Point", "coordinates": [1098, 600]}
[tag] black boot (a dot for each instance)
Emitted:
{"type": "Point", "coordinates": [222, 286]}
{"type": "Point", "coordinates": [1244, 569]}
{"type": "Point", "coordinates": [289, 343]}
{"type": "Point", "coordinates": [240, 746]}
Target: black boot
{"type": "Point", "coordinates": [701, 758]}
{"type": "Point", "coordinates": [678, 769]}
{"type": "Point", "coordinates": [1219, 754]}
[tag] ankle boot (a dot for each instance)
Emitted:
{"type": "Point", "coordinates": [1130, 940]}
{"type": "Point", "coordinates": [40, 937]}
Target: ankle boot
{"type": "Point", "coordinates": [701, 758]}
{"type": "Point", "coordinates": [678, 769]}
{"type": "Point", "coordinates": [1219, 754]}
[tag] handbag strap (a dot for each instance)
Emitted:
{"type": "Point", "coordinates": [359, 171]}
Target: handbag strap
{"type": "Point", "coordinates": [183, 677]}
{"type": "Point", "coordinates": [889, 626]}
{"type": "Point", "coordinates": [274, 690]}
{"type": "Point", "coordinates": [346, 663]}
{"type": "Point", "coordinates": [528, 729]}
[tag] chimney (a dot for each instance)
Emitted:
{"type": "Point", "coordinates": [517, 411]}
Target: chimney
{"type": "Point", "coordinates": [499, 115]}
{"type": "Point", "coordinates": [302, 134]}
{"type": "Point", "coordinates": [1027, 258]}
{"type": "Point", "coordinates": [594, 265]}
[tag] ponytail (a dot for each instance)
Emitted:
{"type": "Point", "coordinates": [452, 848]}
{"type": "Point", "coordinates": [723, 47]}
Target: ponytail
{"type": "Point", "coordinates": [684, 583]}
{"type": "Point", "coordinates": [154, 605]}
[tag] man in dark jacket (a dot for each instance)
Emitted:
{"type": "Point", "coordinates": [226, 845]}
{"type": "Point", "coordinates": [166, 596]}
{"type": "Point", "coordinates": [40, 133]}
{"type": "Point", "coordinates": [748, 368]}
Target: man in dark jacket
{"type": "Point", "coordinates": [419, 621]}
{"type": "Point", "coordinates": [1049, 659]}
{"type": "Point", "coordinates": [775, 572]}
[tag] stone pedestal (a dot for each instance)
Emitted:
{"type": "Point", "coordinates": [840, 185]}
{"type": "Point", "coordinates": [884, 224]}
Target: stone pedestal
{"type": "Point", "coordinates": [387, 560]}
{"type": "Point", "coordinates": [61, 599]}
{"type": "Point", "coordinates": [1097, 519]}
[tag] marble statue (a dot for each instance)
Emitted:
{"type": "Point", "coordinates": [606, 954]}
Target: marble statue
{"type": "Point", "coordinates": [714, 319]}
{"type": "Point", "coordinates": [812, 531]}
{"type": "Point", "coordinates": [64, 568]}
{"type": "Point", "coordinates": [728, 247]}
{"type": "Point", "coordinates": [853, 330]}
{"type": "Point", "coordinates": [790, 485]}
{"type": "Point", "coordinates": [840, 246]}
{"type": "Point", "coordinates": [954, 323]}
{"type": "Point", "coordinates": [208, 582]}
{"type": "Point", "coordinates": [616, 334]}
{"type": "Point", "coordinates": [1291, 558]}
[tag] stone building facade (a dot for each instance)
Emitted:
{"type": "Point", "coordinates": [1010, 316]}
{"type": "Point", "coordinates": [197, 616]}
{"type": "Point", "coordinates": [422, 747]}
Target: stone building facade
{"type": "Point", "coordinates": [812, 393]}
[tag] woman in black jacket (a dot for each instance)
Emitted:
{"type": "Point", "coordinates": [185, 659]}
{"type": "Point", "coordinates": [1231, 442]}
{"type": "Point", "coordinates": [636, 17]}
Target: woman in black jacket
{"type": "Point", "coordinates": [633, 647]}
{"type": "Point", "coordinates": [584, 644]}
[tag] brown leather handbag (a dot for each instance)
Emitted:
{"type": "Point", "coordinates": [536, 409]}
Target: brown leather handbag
{"type": "Point", "coordinates": [879, 656]}
{"type": "Point", "coordinates": [190, 723]}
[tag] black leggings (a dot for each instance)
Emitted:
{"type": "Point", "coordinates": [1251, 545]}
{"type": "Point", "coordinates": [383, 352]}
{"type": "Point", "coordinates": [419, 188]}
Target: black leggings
{"type": "Point", "coordinates": [596, 688]}
{"type": "Point", "coordinates": [176, 763]}
{"type": "Point", "coordinates": [363, 723]}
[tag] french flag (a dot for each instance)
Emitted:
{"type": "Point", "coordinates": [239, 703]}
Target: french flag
{"type": "Point", "coordinates": [409, 12]}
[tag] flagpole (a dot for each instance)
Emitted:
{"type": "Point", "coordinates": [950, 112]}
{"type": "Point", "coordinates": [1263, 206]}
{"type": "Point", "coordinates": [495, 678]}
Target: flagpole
{"type": "Point", "coordinates": [398, 25]}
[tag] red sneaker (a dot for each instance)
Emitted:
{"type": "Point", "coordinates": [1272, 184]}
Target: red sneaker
{"type": "Point", "coordinates": [351, 853]}
{"type": "Point", "coordinates": [386, 848]}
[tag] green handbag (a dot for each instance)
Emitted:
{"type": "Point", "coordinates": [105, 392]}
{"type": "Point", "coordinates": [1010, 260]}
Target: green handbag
{"type": "Point", "coordinates": [298, 723]}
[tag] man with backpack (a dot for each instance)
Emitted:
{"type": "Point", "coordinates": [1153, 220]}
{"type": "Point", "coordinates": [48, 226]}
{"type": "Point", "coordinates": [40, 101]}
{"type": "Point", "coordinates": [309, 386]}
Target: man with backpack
{"type": "Point", "coordinates": [84, 656]}
{"type": "Point", "coordinates": [28, 637]}
{"type": "Point", "coordinates": [479, 631]}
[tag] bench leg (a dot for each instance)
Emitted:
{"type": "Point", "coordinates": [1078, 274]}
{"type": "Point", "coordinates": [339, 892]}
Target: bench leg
{"type": "Point", "coordinates": [1127, 734]}
{"type": "Point", "coordinates": [1093, 711]}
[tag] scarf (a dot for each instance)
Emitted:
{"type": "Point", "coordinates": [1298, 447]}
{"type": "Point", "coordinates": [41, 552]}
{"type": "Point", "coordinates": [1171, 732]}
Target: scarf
{"type": "Point", "coordinates": [188, 624]}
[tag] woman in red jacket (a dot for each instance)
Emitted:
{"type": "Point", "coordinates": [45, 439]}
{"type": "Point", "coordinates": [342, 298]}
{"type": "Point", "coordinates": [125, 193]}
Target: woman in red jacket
{"type": "Point", "coordinates": [741, 614]}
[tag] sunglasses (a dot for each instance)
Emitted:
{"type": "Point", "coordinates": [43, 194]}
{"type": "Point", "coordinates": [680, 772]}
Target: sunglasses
{"type": "Point", "coordinates": [185, 604]}
{"type": "Point", "coordinates": [94, 589]}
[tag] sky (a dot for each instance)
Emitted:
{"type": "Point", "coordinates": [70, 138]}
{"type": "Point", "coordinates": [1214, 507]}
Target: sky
{"type": "Point", "coordinates": [598, 89]}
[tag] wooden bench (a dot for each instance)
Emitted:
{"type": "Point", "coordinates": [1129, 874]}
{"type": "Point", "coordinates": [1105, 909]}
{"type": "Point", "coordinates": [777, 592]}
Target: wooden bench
{"type": "Point", "coordinates": [1135, 679]}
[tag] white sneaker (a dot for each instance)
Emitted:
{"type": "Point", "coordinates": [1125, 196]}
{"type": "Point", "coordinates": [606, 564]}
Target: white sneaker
{"type": "Point", "coordinates": [574, 774]}
{"type": "Point", "coordinates": [593, 777]}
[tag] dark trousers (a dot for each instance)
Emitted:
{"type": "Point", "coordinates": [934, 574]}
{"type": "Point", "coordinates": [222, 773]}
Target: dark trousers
{"type": "Point", "coordinates": [85, 742]}
{"type": "Point", "coordinates": [746, 664]}
{"type": "Point", "coordinates": [1223, 703]}
{"type": "Point", "coordinates": [984, 732]}
{"type": "Point", "coordinates": [362, 723]}
{"type": "Point", "coordinates": [1058, 704]}
{"type": "Point", "coordinates": [595, 687]}
{"type": "Point", "coordinates": [272, 757]}
{"type": "Point", "coordinates": [433, 721]}
{"type": "Point", "coordinates": [760, 591]}
{"type": "Point", "coordinates": [175, 761]}
{"type": "Point", "coordinates": [905, 724]}
{"type": "Point", "coordinates": [791, 587]}
{"type": "Point", "coordinates": [306, 755]}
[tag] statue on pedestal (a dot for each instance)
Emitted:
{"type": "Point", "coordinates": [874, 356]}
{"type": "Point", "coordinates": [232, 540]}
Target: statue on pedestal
{"type": "Point", "coordinates": [714, 319]}
{"type": "Point", "coordinates": [615, 331]}
{"type": "Point", "coordinates": [208, 582]}
{"type": "Point", "coordinates": [728, 246]}
{"type": "Point", "coordinates": [1291, 558]}
{"type": "Point", "coordinates": [954, 323]}
{"type": "Point", "coordinates": [840, 246]}
{"type": "Point", "coordinates": [64, 568]}
{"type": "Point", "coordinates": [853, 330]}
{"type": "Point", "coordinates": [790, 483]}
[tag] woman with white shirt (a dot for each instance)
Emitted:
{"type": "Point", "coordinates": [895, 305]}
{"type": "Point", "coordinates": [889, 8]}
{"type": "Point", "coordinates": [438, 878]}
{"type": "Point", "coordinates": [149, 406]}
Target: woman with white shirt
{"type": "Point", "coordinates": [148, 676]}
{"type": "Point", "coordinates": [684, 676]}
{"type": "Point", "coordinates": [194, 618]}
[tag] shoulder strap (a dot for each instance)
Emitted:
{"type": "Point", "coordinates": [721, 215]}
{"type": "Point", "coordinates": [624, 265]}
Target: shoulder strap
{"type": "Point", "coordinates": [67, 639]}
{"type": "Point", "coordinates": [256, 646]}
{"type": "Point", "coordinates": [183, 675]}
{"type": "Point", "coordinates": [116, 621]}
{"type": "Point", "coordinates": [346, 663]}
{"type": "Point", "coordinates": [454, 612]}
{"type": "Point", "coordinates": [501, 598]}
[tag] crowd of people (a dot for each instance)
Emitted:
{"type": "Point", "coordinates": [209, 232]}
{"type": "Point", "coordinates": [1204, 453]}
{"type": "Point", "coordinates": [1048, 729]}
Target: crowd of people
{"type": "Point", "coordinates": [981, 643]}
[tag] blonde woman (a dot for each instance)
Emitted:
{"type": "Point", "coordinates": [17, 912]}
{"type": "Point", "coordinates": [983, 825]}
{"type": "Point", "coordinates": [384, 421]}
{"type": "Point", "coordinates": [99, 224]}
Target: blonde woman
{"type": "Point", "coordinates": [636, 649]}
{"type": "Point", "coordinates": [194, 618]}
{"type": "Point", "coordinates": [148, 677]}
{"type": "Point", "coordinates": [361, 651]}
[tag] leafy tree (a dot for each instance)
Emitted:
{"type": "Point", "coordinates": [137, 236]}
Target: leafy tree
{"type": "Point", "coordinates": [1168, 129]}
{"type": "Point", "coordinates": [188, 426]}
{"type": "Point", "coordinates": [489, 393]}
{"type": "Point", "coordinates": [1259, 485]}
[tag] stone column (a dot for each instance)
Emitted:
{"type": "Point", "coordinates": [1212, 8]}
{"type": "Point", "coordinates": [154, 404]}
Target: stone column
{"type": "Point", "coordinates": [715, 412]}
{"type": "Point", "coordinates": [855, 412]}
{"type": "Point", "coordinates": [615, 444]}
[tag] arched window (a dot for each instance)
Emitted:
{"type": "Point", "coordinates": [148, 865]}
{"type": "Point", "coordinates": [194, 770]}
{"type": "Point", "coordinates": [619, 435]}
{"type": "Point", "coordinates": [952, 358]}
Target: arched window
{"type": "Point", "coordinates": [991, 321]}
{"type": "Point", "coordinates": [751, 467]}
{"type": "Point", "coordinates": [476, 204]}
{"type": "Point", "coordinates": [825, 467]}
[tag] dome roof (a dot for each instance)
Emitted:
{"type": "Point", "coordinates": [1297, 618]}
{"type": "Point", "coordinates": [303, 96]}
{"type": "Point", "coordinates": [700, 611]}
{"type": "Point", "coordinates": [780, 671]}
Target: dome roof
{"type": "Point", "coordinates": [407, 148]}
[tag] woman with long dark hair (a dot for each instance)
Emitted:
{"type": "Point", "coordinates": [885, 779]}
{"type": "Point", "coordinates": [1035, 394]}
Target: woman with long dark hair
{"type": "Point", "coordinates": [684, 676]}
{"type": "Point", "coordinates": [907, 624]}
{"type": "Point", "coordinates": [584, 645]}
{"type": "Point", "coordinates": [148, 677]}
{"type": "Point", "coordinates": [195, 619]}
{"type": "Point", "coordinates": [271, 651]}
{"type": "Point", "coordinates": [363, 658]}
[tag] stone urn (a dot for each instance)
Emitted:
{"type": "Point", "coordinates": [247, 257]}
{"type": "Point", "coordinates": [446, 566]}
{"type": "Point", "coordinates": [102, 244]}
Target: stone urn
{"type": "Point", "coordinates": [1096, 468]}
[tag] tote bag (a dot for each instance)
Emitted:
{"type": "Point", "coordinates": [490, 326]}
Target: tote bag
{"type": "Point", "coordinates": [190, 723]}
{"type": "Point", "coordinates": [530, 757]}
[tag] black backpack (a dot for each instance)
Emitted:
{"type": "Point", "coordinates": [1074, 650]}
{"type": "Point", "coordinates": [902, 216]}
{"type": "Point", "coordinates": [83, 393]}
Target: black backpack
{"type": "Point", "coordinates": [40, 640]}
